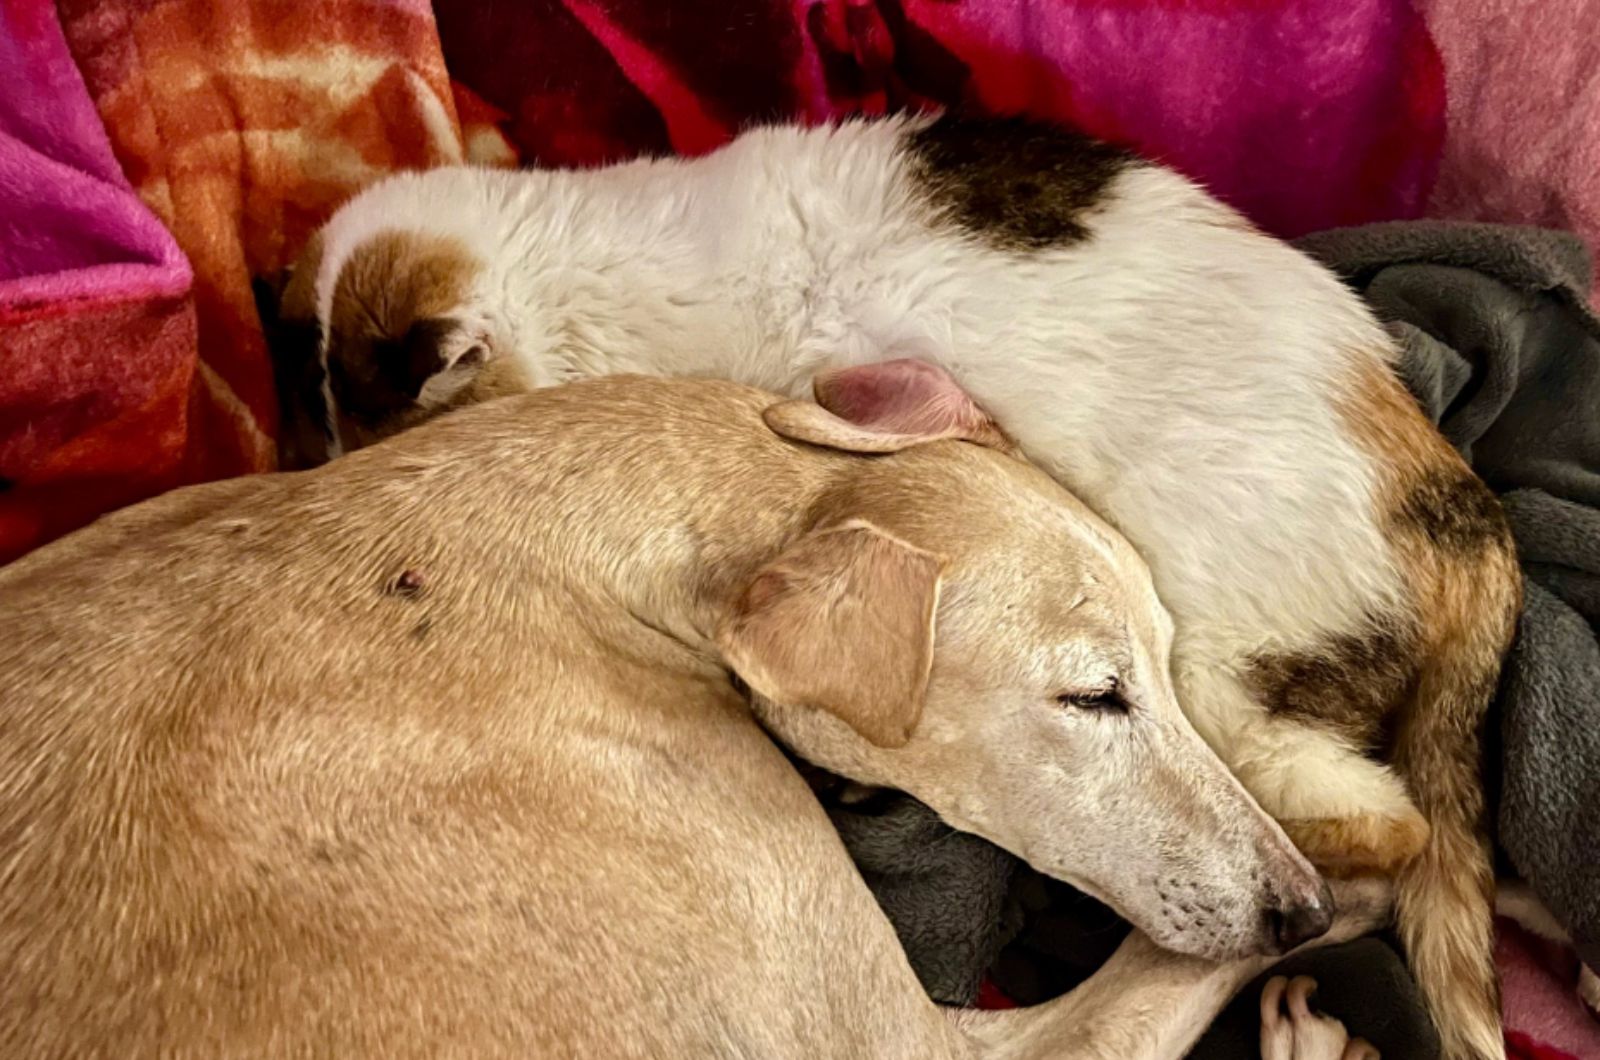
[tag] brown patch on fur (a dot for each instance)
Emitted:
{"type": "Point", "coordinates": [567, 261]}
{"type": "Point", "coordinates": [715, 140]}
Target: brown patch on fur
{"type": "Point", "coordinates": [1453, 546]}
{"type": "Point", "coordinates": [1345, 847]}
{"type": "Point", "coordinates": [1350, 685]}
{"type": "Point", "coordinates": [1454, 509]}
{"type": "Point", "coordinates": [391, 316]}
{"type": "Point", "coordinates": [497, 378]}
{"type": "Point", "coordinates": [1015, 184]}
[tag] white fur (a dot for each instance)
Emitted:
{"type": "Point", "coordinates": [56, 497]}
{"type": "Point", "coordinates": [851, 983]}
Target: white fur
{"type": "Point", "coordinates": [1177, 370]}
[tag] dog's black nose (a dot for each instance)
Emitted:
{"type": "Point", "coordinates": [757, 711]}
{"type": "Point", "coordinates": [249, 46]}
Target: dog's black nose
{"type": "Point", "coordinates": [1297, 922]}
{"type": "Point", "coordinates": [1301, 919]}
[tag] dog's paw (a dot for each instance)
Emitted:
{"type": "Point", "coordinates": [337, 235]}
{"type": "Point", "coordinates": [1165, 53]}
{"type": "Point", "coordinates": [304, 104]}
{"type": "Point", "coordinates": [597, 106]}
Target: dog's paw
{"type": "Point", "coordinates": [1291, 1031]}
{"type": "Point", "coordinates": [1342, 847]}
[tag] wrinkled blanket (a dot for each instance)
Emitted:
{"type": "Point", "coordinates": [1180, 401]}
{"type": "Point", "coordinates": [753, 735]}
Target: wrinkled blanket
{"type": "Point", "coordinates": [1306, 114]}
{"type": "Point", "coordinates": [239, 124]}
{"type": "Point", "coordinates": [1502, 348]}
{"type": "Point", "coordinates": [133, 357]}
{"type": "Point", "coordinates": [1303, 113]}
{"type": "Point", "coordinates": [96, 328]}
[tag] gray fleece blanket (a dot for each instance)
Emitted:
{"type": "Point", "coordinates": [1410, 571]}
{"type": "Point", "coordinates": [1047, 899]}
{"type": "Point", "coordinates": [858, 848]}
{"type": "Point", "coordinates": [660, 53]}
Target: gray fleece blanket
{"type": "Point", "coordinates": [1501, 349]}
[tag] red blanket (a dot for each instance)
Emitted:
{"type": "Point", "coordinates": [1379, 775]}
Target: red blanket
{"type": "Point", "coordinates": [239, 124]}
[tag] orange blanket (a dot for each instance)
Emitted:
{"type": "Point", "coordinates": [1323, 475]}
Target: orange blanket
{"type": "Point", "coordinates": [240, 124]}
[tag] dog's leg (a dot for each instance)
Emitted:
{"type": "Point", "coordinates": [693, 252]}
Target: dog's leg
{"type": "Point", "coordinates": [1290, 1030]}
{"type": "Point", "coordinates": [1147, 1003]}
{"type": "Point", "coordinates": [1349, 815]}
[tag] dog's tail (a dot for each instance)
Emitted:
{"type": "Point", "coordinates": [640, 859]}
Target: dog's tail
{"type": "Point", "coordinates": [1445, 897]}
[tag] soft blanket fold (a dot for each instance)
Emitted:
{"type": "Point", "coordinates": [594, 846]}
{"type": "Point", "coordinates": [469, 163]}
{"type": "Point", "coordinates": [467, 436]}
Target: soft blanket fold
{"type": "Point", "coordinates": [133, 357]}
{"type": "Point", "coordinates": [1501, 346]}
{"type": "Point", "coordinates": [95, 323]}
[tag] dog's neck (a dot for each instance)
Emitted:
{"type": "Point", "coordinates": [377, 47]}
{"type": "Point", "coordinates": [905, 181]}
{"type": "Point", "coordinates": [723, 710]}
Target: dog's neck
{"type": "Point", "coordinates": [696, 503]}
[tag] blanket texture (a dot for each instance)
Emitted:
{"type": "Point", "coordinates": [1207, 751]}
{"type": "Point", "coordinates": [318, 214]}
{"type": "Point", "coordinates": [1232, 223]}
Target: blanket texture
{"type": "Point", "coordinates": [239, 124]}
{"type": "Point", "coordinates": [1303, 113]}
{"type": "Point", "coordinates": [1536, 980]}
{"type": "Point", "coordinates": [1522, 138]}
{"type": "Point", "coordinates": [1502, 349]}
{"type": "Point", "coordinates": [96, 328]}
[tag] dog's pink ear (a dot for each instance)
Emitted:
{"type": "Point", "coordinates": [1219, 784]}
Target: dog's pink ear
{"type": "Point", "coordinates": [884, 408]}
{"type": "Point", "coordinates": [843, 622]}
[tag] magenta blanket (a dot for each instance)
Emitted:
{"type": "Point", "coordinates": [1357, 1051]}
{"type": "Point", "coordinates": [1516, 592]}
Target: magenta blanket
{"type": "Point", "coordinates": [1304, 113]}
{"type": "Point", "coordinates": [95, 327]}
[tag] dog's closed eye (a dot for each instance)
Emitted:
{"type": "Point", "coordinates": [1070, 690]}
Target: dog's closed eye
{"type": "Point", "coordinates": [1106, 697]}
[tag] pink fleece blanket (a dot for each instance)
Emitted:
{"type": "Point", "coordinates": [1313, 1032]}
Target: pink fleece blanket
{"type": "Point", "coordinates": [96, 330]}
{"type": "Point", "coordinates": [1304, 113]}
{"type": "Point", "coordinates": [154, 154]}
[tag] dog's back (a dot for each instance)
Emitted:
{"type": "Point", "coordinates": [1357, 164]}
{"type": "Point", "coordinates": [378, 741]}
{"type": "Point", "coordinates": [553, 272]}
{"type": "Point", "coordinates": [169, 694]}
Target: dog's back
{"type": "Point", "coordinates": [345, 763]}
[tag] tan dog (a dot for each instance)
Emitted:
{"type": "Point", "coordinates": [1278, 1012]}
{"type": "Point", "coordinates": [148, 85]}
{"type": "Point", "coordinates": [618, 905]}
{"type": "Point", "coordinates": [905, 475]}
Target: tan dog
{"type": "Point", "coordinates": [435, 751]}
{"type": "Point", "coordinates": [1342, 587]}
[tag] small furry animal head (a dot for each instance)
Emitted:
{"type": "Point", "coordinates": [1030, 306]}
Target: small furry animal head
{"type": "Point", "coordinates": [387, 321]}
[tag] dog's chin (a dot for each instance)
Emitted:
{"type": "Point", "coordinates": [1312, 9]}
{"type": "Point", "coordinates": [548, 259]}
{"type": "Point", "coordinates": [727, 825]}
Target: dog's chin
{"type": "Point", "coordinates": [1179, 933]}
{"type": "Point", "coordinates": [1211, 948]}
{"type": "Point", "coordinates": [1195, 939]}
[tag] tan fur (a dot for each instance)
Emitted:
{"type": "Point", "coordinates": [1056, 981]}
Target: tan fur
{"type": "Point", "coordinates": [430, 752]}
{"type": "Point", "coordinates": [828, 624]}
{"type": "Point", "coordinates": [1348, 847]}
{"type": "Point", "coordinates": [1455, 549]}
{"type": "Point", "coordinates": [1383, 660]}
{"type": "Point", "coordinates": [394, 280]}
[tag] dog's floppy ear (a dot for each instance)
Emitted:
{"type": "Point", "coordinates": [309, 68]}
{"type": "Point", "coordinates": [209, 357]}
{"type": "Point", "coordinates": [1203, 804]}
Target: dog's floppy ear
{"type": "Point", "coordinates": [884, 408]}
{"type": "Point", "coordinates": [843, 622]}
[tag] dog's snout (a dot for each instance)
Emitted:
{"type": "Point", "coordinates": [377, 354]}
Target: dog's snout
{"type": "Point", "coordinates": [1297, 920]}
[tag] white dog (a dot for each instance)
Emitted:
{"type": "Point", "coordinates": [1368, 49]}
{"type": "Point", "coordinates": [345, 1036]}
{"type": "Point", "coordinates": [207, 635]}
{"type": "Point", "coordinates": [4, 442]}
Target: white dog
{"type": "Point", "coordinates": [1344, 588]}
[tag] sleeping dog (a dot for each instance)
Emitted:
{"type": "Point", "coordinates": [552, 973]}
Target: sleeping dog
{"type": "Point", "coordinates": [437, 751]}
{"type": "Point", "coordinates": [1343, 587]}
